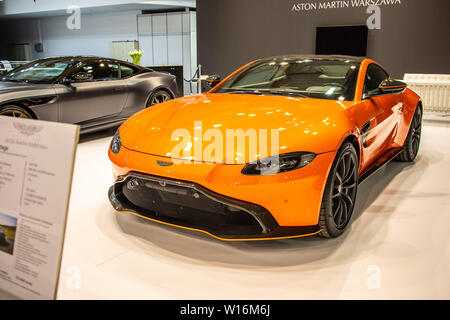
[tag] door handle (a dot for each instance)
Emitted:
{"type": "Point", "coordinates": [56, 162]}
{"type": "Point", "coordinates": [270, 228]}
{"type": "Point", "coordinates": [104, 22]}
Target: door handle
{"type": "Point", "coordinates": [118, 89]}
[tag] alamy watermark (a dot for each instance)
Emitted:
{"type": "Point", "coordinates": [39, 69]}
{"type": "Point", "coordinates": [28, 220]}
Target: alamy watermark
{"type": "Point", "coordinates": [374, 21]}
{"type": "Point", "coordinates": [229, 146]}
{"type": "Point", "coordinates": [74, 278]}
{"type": "Point", "coordinates": [74, 20]}
{"type": "Point", "coordinates": [374, 280]}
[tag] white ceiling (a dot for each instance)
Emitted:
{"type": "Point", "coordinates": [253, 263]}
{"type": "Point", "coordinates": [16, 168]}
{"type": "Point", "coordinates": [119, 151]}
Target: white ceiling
{"type": "Point", "coordinates": [43, 8]}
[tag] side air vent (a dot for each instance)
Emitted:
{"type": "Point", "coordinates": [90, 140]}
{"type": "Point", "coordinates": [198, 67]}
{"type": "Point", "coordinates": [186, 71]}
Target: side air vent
{"type": "Point", "coordinates": [37, 101]}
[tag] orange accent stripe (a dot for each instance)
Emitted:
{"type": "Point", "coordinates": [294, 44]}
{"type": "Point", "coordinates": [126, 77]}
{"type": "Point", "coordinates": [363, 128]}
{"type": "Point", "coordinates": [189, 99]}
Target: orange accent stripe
{"type": "Point", "coordinates": [393, 87]}
{"type": "Point", "coordinates": [219, 238]}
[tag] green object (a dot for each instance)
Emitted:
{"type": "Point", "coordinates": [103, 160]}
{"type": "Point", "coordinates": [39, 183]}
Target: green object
{"type": "Point", "coordinates": [136, 55]}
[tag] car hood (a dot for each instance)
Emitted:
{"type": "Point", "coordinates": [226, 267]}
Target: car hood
{"type": "Point", "coordinates": [303, 124]}
{"type": "Point", "coordinates": [10, 90]}
{"type": "Point", "coordinates": [20, 86]}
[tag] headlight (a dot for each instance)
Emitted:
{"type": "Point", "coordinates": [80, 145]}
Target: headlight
{"type": "Point", "coordinates": [278, 164]}
{"type": "Point", "coordinates": [116, 144]}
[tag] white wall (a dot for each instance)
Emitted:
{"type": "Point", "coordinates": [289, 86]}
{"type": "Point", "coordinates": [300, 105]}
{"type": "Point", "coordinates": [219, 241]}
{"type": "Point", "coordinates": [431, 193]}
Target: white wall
{"type": "Point", "coordinates": [166, 39]}
{"type": "Point", "coordinates": [169, 39]}
{"type": "Point", "coordinates": [93, 38]}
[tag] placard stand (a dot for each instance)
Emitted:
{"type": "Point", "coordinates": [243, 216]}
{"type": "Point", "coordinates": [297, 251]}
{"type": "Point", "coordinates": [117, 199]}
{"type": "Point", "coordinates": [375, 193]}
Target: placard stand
{"type": "Point", "coordinates": [36, 168]}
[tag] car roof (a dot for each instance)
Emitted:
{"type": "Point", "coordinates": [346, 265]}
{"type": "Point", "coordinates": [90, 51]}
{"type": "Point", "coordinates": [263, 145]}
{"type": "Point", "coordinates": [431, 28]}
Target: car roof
{"type": "Point", "coordinates": [86, 58]}
{"type": "Point", "coordinates": [316, 57]}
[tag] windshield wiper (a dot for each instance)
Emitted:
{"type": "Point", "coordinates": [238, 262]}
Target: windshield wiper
{"type": "Point", "coordinates": [271, 92]}
{"type": "Point", "coordinates": [285, 93]}
{"type": "Point", "coordinates": [245, 92]}
{"type": "Point", "coordinates": [12, 80]}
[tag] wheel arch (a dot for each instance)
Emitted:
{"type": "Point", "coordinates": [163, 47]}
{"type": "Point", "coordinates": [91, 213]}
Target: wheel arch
{"type": "Point", "coordinates": [163, 88]}
{"type": "Point", "coordinates": [420, 105]}
{"type": "Point", "coordinates": [160, 88]}
{"type": "Point", "coordinates": [21, 105]}
{"type": "Point", "coordinates": [354, 141]}
{"type": "Point", "coordinates": [351, 138]}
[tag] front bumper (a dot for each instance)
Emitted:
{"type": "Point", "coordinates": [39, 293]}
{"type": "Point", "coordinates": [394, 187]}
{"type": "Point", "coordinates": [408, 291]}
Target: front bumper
{"type": "Point", "coordinates": [191, 206]}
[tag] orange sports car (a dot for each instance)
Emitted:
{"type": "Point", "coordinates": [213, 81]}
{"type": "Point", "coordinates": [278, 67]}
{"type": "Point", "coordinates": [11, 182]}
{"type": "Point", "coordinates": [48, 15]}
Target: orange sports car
{"type": "Point", "coordinates": [276, 150]}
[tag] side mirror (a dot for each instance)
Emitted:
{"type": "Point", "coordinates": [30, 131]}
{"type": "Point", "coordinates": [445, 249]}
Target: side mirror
{"type": "Point", "coordinates": [392, 86]}
{"type": "Point", "coordinates": [213, 80]}
{"type": "Point", "coordinates": [81, 77]}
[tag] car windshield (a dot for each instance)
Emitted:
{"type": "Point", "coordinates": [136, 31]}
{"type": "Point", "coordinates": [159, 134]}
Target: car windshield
{"type": "Point", "coordinates": [39, 72]}
{"type": "Point", "coordinates": [321, 79]}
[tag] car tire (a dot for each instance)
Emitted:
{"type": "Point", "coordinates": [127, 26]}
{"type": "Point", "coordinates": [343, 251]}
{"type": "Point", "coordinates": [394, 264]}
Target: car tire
{"type": "Point", "coordinates": [412, 142]}
{"type": "Point", "coordinates": [15, 112]}
{"type": "Point", "coordinates": [157, 97]}
{"type": "Point", "coordinates": [339, 197]}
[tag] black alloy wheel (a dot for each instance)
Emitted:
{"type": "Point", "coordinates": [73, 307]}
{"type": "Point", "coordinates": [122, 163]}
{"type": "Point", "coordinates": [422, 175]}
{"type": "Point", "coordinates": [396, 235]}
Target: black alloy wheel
{"type": "Point", "coordinates": [412, 142]}
{"type": "Point", "coordinates": [340, 193]}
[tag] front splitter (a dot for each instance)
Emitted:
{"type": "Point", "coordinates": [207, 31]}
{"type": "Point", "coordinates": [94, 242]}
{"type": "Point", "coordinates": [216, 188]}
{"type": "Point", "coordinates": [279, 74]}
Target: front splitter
{"type": "Point", "coordinates": [278, 233]}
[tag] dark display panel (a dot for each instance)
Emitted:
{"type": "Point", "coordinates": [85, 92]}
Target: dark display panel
{"type": "Point", "coordinates": [346, 40]}
{"type": "Point", "coordinates": [177, 71]}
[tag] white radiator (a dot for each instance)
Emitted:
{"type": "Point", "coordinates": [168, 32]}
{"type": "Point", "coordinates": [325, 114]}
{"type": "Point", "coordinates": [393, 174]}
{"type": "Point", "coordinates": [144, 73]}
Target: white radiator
{"type": "Point", "coordinates": [434, 89]}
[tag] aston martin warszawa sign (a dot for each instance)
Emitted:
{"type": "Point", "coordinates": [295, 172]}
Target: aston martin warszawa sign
{"type": "Point", "coordinates": [341, 4]}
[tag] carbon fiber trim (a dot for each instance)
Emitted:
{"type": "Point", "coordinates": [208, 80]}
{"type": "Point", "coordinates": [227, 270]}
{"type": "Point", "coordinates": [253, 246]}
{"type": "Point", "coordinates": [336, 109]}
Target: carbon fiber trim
{"type": "Point", "coordinates": [192, 206]}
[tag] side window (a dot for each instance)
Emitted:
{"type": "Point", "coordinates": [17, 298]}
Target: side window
{"type": "Point", "coordinates": [127, 71]}
{"type": "Point", "coordinates": [374, 76]}
{"type": "Point", "coordinates": [102, 70]}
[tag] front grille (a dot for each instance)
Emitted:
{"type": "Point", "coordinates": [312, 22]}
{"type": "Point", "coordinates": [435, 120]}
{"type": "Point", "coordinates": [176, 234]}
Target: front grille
{"type": "Point", "coordinates": [190, 205]}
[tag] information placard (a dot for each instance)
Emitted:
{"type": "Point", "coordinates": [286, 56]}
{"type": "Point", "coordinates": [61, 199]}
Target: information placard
{"type": "Point", "coordinates": [36, 166]}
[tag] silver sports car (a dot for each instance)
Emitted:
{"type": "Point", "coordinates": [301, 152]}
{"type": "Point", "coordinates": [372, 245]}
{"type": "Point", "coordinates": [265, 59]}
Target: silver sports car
{"type": "Point", "coordinates": [96, 93]}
